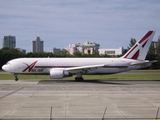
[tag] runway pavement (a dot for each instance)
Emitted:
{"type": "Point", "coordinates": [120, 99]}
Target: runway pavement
{"type": "Point", "coordinates": [33, 99]}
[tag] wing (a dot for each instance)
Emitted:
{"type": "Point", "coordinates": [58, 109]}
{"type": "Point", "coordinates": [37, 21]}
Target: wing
{"type": "Point", "coordinates": [84, 69]}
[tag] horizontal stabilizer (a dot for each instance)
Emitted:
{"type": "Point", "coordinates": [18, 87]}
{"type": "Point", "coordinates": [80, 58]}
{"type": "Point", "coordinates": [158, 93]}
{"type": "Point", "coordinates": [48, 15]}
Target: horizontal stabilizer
{"type": "Point", "coordinates": [143, 62]}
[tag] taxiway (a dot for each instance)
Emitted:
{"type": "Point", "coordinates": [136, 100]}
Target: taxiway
{"type": "Point", "coordinates": [33, 99]}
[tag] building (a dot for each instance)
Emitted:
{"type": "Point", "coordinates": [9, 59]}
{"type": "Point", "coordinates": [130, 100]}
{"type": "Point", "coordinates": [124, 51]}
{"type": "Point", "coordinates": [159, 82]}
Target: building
{"type": "Point", "coordinates": [86, 48]}
{"type": "Point", "coordinates": [37, 45]}
{"type": "Point", "coordinates": [54, 50]}
{"type": "Point", "coordinates": [154, 46]}
{"type": "Point", "coordinates": [72, 48]}
{"type": "Point", "coordinates": [21, 50]}
{"type": "Point", "coordinates": [9, 41]}
{"type": "Point", "coordinates": [111, 51]}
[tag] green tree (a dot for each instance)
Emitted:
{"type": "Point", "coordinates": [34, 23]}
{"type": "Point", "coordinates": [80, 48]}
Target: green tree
{"type": "Point", "coordinates": [151, 55]}
{"type": "Point", "coordinates": [7, 54]}
{"type": "Point", "coordinates": [154, 54]}
{"type": "Point", "coordinates": [39, 54]}
{"type": "Point", "coordinates": [158, 54]}
{"type": "Point", "coordinates": [62, 53]}
{"type": "Point", "coordinates": [132, 43]}
{"type": "Point", "coordinates": [77, 54]}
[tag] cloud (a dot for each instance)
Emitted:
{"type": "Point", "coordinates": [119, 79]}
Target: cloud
{"type": "Point", "coordinates": [59, 23]}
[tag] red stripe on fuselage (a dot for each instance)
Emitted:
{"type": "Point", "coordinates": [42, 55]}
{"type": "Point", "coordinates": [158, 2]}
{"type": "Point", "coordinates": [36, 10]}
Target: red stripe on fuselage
{"type": "Point", "coordinates": [55, 66]}
{"type": "Point", "coordinates": [77, 66]}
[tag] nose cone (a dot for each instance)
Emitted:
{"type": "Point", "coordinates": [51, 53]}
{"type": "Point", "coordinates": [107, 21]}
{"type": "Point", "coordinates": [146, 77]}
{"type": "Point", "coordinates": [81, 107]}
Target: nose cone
{"type": "Point", "coordinates": [5, 67]}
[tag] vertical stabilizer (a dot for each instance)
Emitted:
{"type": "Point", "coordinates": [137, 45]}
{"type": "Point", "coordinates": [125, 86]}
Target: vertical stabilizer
{"type": "Point", "coordinates": [140, 49]}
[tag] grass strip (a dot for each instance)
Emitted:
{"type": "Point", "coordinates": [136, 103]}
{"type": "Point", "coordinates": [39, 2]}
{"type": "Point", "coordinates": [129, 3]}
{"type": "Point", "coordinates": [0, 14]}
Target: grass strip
{"type": "Point", "coordinates": [87, 77]}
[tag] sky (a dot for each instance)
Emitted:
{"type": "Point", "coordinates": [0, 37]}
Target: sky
{"type": "Point", "coordinates": [110, 23]}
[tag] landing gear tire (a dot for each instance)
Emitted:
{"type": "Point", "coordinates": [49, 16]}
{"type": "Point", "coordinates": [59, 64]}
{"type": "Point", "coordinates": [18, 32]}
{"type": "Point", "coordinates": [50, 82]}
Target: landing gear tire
{"type": "Point", "coordinates": [79, 79]}
{"type": "Point", "coordinates": [16, 77]}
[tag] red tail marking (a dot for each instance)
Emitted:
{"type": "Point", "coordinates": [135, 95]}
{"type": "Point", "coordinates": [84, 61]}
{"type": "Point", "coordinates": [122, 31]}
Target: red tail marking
{"type": "Point", "coordinates": [131, 51]}
{"type": "Point", "coordinates": [135, 56]}
{"type": "Point", "coordinates": [29, 67]}
{"type": "Point", "coordinates": [146, 36]}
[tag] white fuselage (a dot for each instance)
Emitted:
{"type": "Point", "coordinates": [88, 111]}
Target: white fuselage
{"type": "Point", "coordinates": [44, 65]}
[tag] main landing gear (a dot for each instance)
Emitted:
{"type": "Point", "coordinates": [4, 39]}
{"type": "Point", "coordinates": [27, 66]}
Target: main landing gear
{"type": "Point", "coordinates": [16, 77]}
{"type": "Point", "coordinates": [79, 77]}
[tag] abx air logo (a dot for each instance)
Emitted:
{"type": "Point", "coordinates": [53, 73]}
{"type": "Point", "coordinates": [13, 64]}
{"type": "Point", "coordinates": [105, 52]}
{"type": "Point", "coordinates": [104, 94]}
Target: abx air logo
{"type": "Point", "coordinates": [29, 67]}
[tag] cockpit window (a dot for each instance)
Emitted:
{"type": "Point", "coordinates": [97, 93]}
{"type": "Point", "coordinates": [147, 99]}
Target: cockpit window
{"type": "Point", "coordinates": [8, 63]}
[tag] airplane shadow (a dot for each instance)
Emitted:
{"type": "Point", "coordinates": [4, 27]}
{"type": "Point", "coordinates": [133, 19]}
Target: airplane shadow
{"type": "Point", "coordinates": [115, 82]}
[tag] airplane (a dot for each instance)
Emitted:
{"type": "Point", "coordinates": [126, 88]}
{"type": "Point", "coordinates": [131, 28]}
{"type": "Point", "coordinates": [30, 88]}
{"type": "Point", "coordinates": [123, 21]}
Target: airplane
{"type": "Point", "coordinates": [58, 68]}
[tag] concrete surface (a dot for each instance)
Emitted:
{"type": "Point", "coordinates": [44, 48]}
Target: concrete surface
{"type": "Point", "coordinates": [27, 99]}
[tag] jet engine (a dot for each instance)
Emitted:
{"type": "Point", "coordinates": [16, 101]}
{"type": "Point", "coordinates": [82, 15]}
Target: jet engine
{"type": "Point", "coordinates": [59, 74]}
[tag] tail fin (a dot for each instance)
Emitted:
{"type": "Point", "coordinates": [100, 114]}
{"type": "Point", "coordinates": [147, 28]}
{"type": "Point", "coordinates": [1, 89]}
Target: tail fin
{"type": "Point", "coordinates": [140, 49]}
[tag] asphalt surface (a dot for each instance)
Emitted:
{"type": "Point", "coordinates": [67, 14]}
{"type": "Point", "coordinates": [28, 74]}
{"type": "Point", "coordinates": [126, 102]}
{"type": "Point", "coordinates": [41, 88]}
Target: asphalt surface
{"type": "Point", "coordinates": [33, 99]}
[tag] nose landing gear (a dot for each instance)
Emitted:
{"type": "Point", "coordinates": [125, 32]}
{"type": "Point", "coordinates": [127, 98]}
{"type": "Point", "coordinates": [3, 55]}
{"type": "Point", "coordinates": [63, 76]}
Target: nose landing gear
{"type": "Point", "coordinates": [16, 77]}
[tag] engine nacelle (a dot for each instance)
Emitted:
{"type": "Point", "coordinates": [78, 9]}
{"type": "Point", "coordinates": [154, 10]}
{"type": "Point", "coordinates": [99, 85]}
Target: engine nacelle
{"type": "Point", "coordinates": [58, 74]}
